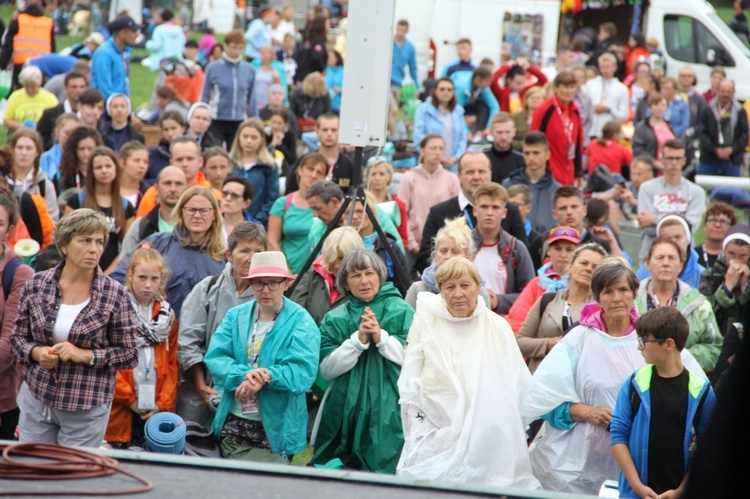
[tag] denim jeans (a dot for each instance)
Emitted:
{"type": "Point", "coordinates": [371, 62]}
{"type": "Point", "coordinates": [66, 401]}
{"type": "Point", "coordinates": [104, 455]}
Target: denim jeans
{"type": "Point", "coordinates": [725, 168]}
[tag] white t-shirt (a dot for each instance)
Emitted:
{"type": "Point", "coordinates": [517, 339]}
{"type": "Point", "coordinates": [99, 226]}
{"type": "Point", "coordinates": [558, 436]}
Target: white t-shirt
{"type": "Point", "coordinates": [64, 322]}
{"type": "Point", "coordinates": [491, 268]}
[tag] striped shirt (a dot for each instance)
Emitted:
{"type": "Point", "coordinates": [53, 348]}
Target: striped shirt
{"type": "Point", "coordinates": [106, 326]}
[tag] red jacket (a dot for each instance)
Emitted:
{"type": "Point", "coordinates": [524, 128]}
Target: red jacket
{"type": "Point", "coordinates": [502, 94]}
{"type": "Point", "coordinates": [167, 377]}
{"type": "Point", "coordinates": [547, 119]}
{"type": "Point", "coordinates": [520, 309]}
{"type": "Point", "coordinates": [612, 155]}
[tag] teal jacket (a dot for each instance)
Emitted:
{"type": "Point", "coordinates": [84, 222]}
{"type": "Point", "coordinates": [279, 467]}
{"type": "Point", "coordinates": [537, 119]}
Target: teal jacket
{"type": "Point", "coordinates": [633, 429]}
{"type": "Point", "coordinates": [290, 353]}
{"type": "Point", "coordinates": [705, 339]}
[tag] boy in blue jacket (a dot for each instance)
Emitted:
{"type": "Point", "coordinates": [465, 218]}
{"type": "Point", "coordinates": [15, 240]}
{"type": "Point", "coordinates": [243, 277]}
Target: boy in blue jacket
{"type": "Point", "coordinates": [662, 411]}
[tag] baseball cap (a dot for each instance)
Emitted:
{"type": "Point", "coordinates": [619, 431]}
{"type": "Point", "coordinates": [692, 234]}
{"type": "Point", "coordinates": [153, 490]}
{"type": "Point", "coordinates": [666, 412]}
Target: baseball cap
{"type": "Point", "coordinates": [123, 22]}
{"type": "Point", "coordinates": [564, 233]}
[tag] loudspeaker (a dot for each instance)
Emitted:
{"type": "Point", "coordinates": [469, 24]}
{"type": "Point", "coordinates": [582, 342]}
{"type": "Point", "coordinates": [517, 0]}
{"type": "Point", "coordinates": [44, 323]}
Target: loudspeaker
{"type": "Point", "coordinates": [367, 73]}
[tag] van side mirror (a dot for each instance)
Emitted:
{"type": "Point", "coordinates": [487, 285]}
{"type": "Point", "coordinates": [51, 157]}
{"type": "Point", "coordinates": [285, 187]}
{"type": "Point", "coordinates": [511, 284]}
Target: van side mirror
{"type": "Point", "coordinates": [716, 55]}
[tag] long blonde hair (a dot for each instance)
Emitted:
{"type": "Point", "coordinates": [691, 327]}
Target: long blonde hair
{"type": "Point", "coordinates": [263, 155]}
{"type": "Point", "coordinates": [213, 244]}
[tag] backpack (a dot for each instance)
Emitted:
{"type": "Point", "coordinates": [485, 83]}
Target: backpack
{"type": "Point", "coordinates": [9, 273]}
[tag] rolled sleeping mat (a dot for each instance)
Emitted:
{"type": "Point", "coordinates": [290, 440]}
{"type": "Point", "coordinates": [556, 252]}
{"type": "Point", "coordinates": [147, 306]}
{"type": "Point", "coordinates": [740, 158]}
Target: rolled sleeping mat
{"type": "Point", "coordinates": [165, 433]}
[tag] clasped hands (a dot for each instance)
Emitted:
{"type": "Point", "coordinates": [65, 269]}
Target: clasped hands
{"type": "Point", "coordinates": [65, 352]}
{"type": "Point", "coordinates": [254, 381]}
{"type": "Point", "coordinates": [369, 328]}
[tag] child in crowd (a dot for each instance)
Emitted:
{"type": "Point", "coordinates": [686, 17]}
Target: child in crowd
{"type": "Point", "coordinates": [151, 387]}
{"type": "Point", "coordinates": [662, 411]}
{"type": "Point", "coordinates": [172, 124]}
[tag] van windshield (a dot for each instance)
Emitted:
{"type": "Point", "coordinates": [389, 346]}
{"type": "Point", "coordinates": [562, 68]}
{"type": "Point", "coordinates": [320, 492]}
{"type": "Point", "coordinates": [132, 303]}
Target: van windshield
{"type": "Point", "coordinates": [718, 21]}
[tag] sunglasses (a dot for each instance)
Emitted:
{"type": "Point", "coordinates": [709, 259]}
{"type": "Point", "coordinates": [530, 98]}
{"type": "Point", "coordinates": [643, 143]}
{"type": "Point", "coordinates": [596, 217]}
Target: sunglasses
{"type": "Point", "coordinates": [563, 232]}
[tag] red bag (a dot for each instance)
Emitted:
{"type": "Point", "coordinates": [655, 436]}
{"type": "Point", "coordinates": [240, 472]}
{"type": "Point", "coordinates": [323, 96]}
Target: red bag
{"type": "Point", "coordinates": [306, 124]}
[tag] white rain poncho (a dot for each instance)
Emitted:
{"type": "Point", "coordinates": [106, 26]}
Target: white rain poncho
{"type": "Point", "coordinates": [461, 386]}
{"type": "Point", "coordinates": [587, 366]}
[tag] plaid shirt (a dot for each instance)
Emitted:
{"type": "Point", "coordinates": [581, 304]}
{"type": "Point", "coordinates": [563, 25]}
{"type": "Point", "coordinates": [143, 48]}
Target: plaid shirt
{"type": "Point", "coordinates": [106, 326]}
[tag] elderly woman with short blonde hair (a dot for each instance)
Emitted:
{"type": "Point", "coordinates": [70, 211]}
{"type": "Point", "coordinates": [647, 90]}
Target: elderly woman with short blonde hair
{"type": "Point", "coordinates": [27, 104]}
{"type": "Point", "coordinates": [461, 388]}
{"type": "Point", "coordinates": [74, 329]}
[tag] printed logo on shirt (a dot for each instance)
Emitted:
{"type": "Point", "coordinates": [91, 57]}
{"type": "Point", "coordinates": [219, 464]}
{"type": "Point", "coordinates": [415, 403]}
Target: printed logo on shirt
{"type": "Point", "coordinates": [670, 203]}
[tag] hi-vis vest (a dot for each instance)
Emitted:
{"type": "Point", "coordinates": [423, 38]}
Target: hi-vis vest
{"type": "Point", "coordinates": [32, 39]}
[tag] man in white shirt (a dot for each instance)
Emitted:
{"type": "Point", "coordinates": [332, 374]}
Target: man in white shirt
{"type": "Point", "coordinates": [608, 94]}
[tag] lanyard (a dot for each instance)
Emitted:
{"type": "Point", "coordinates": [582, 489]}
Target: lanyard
{"type": "Point", "coordinates": [251, 343]}
{"type": "Point", "coordinates": [468, 218]}
{"type": "Point", "coordinates": [567, 320]}
{"type": "Point", "coordinates": [567, 123]}
{"type": "Point", "coordinates": [148, 356]}
{"type": "Point", "coordinates": [723, 110]}
{"type": "Point", "coordinates": [652, 301]}
{"type": "Point", "coordinates": [78, 182]}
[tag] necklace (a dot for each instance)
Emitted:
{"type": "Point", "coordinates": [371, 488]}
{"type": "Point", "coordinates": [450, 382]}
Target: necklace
{"type": "Point", "coordinates": [72, 300]}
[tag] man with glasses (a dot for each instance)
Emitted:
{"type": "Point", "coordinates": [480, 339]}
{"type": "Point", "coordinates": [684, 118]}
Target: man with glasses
{"type": "Point", "coordinates": [669, 194]}
{"type": "Point", "coordinates": [725, 284]}
{"type": "Point", "coordinates": [170, 184]}
{"type": "Point", "coordinates": [186, 155]}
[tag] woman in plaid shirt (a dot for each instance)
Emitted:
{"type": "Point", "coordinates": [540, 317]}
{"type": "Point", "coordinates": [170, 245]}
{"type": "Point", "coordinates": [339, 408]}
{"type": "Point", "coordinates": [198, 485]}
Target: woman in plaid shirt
{"type": "Point", "coordinates": [73, 331]}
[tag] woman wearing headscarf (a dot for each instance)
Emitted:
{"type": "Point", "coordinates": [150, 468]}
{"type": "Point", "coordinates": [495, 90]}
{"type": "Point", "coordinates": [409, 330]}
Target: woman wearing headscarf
{"type": "Point", "coordinates": [118, 128]}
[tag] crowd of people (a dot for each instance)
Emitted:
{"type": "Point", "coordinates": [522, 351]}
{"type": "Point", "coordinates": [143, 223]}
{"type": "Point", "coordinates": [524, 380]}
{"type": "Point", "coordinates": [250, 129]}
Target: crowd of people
{"type": "Point", "coordinates": [474, 318]}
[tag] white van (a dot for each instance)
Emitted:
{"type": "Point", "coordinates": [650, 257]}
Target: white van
{"type": "Point", "coordinates": [690, 32]}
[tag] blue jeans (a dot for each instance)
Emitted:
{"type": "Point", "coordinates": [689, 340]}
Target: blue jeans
{"type": "Point", "coordinates": [311, 140]}
{"type": "Point", "coordinates": [725, 168]}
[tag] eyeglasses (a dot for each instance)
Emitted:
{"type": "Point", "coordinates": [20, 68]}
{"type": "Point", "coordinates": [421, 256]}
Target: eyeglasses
{"type": "Point", "coordinates": [259, 285]}
{"type": "Point", "coordinates": [194, 211]}
{"type": "Point", "coordinates": [642, 342]}
{"type": "Point", "coordinates": [231, 195]}
{"type": "Point", "coordinates": [718, 221]}
{"type": "Point", "coordinates": [672, 159]}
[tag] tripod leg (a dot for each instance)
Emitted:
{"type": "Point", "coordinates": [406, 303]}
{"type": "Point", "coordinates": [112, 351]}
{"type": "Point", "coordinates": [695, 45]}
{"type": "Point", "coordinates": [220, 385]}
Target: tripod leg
{"type": "Point", "coordinates": [334, 223]}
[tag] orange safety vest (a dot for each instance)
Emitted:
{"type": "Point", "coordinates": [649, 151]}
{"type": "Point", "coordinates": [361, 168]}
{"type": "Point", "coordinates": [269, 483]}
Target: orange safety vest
{"type": "Point", "coordinates": [33, 38]}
